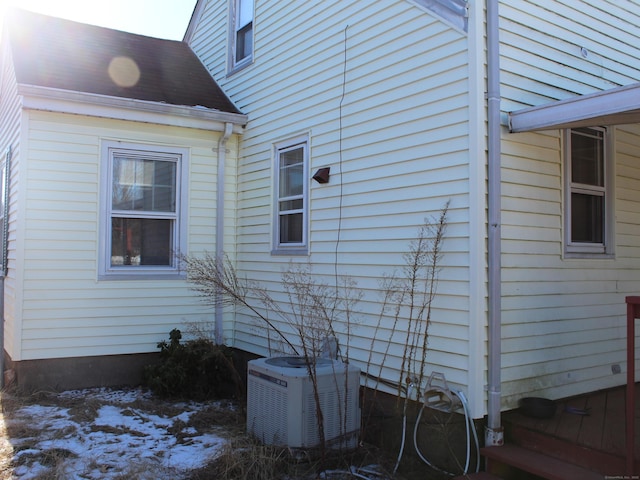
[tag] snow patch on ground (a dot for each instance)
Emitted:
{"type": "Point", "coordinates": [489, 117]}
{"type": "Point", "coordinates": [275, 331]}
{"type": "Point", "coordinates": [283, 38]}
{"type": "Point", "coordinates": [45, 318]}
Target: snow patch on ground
{"type": "Point", "coordinates": [117, 439]}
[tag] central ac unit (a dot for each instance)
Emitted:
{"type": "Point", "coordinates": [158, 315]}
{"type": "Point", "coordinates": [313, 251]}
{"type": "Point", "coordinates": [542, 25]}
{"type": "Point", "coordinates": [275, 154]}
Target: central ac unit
{"type": "Point", "coordinates": [281, 402]}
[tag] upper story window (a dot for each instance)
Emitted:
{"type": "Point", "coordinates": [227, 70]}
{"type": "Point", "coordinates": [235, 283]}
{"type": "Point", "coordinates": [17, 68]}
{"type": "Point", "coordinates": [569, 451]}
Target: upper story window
{"type": "Point", "coordinates": [143, 222]}
{"type": "Point", "coordinates": [290, 228]}
{"type": "Point", "coordinates": [588, 192]}
{"type": "Point", "coordinates": [242, 33]}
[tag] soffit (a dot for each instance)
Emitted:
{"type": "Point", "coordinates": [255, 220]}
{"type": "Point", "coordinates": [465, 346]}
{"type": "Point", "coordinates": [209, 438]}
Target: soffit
{"type": "Point", "coordinates": [616, 106]}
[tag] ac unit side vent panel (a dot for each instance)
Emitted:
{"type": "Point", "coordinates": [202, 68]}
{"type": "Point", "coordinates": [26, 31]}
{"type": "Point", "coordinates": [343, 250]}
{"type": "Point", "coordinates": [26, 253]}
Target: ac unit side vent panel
{"type": "Point", "coordinates": [337, 413]}
{"type": "Point", "coordinates": [272, 428]}
{"type": "Point", "coordinates": [281, 404]}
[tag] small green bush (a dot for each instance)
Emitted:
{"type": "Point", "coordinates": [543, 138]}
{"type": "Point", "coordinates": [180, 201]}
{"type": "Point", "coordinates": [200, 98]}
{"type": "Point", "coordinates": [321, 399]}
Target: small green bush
{"type": "Point", "coordinates": [197, 369]}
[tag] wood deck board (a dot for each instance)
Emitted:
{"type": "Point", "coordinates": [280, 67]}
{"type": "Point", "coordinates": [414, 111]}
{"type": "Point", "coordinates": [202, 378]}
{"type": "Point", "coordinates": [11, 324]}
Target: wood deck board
{"type": "Point", "coordinates": [568, 425]}
{"type": "Point", "coordinates": [600, 436]}
{"type": "Point", "coordinates": [538, 464]}
{"type": "Point", "coordinates": [614, 422]}
{"type": "Point", "coordinates": [570, 452]}
{"type": "Point", "coordinates": [593, 424]}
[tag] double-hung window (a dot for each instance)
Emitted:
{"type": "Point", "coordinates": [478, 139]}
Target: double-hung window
{"type": "Point", "coordinates": [143, 220]}
{"type": "Point", "coordinates": [589, 192]}
{"type": "Point", "coordinates": [290, 226]}
{"type": "Point", "coordinates": [242, 33]}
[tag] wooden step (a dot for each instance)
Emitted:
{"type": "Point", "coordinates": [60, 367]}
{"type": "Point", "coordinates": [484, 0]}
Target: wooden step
{"type": "Point", "coordinates": [591, 459]}
{"type": "Point", "coordinates": [534, 463]}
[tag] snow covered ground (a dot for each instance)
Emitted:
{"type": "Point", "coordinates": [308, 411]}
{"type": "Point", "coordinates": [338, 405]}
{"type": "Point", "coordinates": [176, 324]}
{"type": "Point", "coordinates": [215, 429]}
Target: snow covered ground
{"type": "Point", "coordinates": [109, 434]}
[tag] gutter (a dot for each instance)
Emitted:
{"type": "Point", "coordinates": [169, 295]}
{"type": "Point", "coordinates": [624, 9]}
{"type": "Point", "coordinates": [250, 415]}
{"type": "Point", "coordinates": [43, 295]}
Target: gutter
{"type": "Point", "coordinates": [222, 156]}
{"type": "Point", "coordinates": [494, 434]}
{"type": "Point", "coordinates": [120, 108]}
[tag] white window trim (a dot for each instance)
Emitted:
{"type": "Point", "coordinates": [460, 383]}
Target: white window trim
{"type": "Point", "coordinates": [588, 250]}
{"type": "Point", "coordinates": [301, 248]}
{"type": "Point", "coordinates": [234, 65]}
{"type": "Point", "coordinates": [105, 270]}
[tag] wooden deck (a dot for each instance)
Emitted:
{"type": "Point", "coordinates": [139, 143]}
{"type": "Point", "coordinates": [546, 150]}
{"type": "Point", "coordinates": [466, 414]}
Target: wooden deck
{"type": "Point", "coordinates": [595, 441]}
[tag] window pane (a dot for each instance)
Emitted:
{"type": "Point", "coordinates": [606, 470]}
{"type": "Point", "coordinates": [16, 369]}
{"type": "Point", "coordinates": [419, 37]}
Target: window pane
{"type": "Point", "coordinates": [140, 241]}
{"type": "Point", "coordinates": [244, 42]}
{"type": "Point", "coordinates": [291, 172]}
{"type": "Point", "coordinates": [291, 228]}
{"type": "Point", "coordinates": [587, 157]}
{"type": "Point", "coordinates": [245, 12]}
{"type": "Point", "coordinates": [288, 205]}
{"type": "Point", "coordinates": [291, 202]}
{"type": "Point", "coordinates": [587, 218]}
{"type": "Point", "coordinates": [144, 185]}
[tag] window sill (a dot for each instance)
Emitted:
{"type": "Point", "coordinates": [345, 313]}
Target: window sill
{"type": "Point", "coordinates": [290, 251]}
{"type": "Point", "coordinates": [588, 255]}
{"type": "Point", "coordinates": [241, 66]}
{"type": "Point", "coordinates": [142, 276]}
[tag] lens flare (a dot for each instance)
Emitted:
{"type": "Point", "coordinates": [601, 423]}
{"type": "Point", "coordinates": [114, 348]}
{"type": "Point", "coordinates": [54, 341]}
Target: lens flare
{"type": "Point", "coordinates": [124, 71]}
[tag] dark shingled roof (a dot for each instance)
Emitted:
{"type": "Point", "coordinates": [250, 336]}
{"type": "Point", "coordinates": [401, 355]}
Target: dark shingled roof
{"type": "Point", "coordinates": [57, 53]}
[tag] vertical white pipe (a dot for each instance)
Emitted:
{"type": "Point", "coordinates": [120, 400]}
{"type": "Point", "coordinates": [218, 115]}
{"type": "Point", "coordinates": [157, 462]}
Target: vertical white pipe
{"type": "Point", "coordinates": [477, 380]}
{"type": "Point", "coordinates": [494, 433]}
{"type": "Point", "coordinates": [222, 156]}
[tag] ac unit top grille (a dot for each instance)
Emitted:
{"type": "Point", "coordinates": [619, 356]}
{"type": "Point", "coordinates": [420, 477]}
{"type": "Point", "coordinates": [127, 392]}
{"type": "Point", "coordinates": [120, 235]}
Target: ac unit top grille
{"type": "Point", "coordinates": [298, 362]}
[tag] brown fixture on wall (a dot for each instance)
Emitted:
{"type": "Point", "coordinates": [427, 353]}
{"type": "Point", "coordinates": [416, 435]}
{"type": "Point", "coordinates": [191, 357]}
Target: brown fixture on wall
{"type": "Point", "coordinates": [322, 175]}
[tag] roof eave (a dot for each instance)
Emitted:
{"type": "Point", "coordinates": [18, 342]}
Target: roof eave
{"type": "Point", "coordinates": [193, 21]}
{"type": "Point", "coordinates": [616, 106]}
{"type": "Point", "coordinates": [119, 108]}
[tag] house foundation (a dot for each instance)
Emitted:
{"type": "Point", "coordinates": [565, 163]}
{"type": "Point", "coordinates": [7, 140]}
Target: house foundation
{"type": "Point", "coordinates": [441, 438]}
{"type": "Point", "coordinates": [59, 374]}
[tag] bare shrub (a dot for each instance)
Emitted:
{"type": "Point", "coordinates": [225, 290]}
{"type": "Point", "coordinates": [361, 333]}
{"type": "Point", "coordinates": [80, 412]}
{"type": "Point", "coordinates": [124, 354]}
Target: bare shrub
{"type": "Point", "coordinates": [304, 315]}
{"type": "Point", "coordinates": [408, 298]}
{"type": "Point", "coordinates": [308, 312]}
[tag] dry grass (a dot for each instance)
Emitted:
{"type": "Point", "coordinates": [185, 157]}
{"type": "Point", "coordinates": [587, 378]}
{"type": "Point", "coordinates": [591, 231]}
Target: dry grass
{"type": "Point", "coordinates": [245, 459]}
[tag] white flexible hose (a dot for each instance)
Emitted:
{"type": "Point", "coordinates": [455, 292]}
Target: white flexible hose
{"type": "Point", "coordinates": [415, 444]}
{"type": "Point", "coordinates": [469, 425]}
{"type": "Point", "coordinates": [465, 406]}
{"type": "Point", "coordinates": [404, 427]}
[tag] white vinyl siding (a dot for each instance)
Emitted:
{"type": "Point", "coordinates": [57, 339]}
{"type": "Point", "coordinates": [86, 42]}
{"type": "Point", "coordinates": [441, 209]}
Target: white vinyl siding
{"type": "Point", "coordinates": [563, 319]}
{"type": "Point", "coordinates": [11, 128]}
{"type": "Point", "coordinates": [397, 144]}
{"type": "Point", "coordinates": [385, 91]}
{"type": "Point", "coordinates": [65, 311]}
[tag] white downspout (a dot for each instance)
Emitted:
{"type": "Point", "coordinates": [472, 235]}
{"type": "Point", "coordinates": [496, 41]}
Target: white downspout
{"type": "Point", "coordinates": [222, 156]}
{"type": "Point", "coordinates": [494, 435]}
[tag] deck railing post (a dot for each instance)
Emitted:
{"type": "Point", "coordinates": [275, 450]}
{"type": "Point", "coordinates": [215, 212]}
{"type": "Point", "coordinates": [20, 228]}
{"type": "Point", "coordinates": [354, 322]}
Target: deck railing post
{"type": "Point", "coordinates": [633, 312]}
